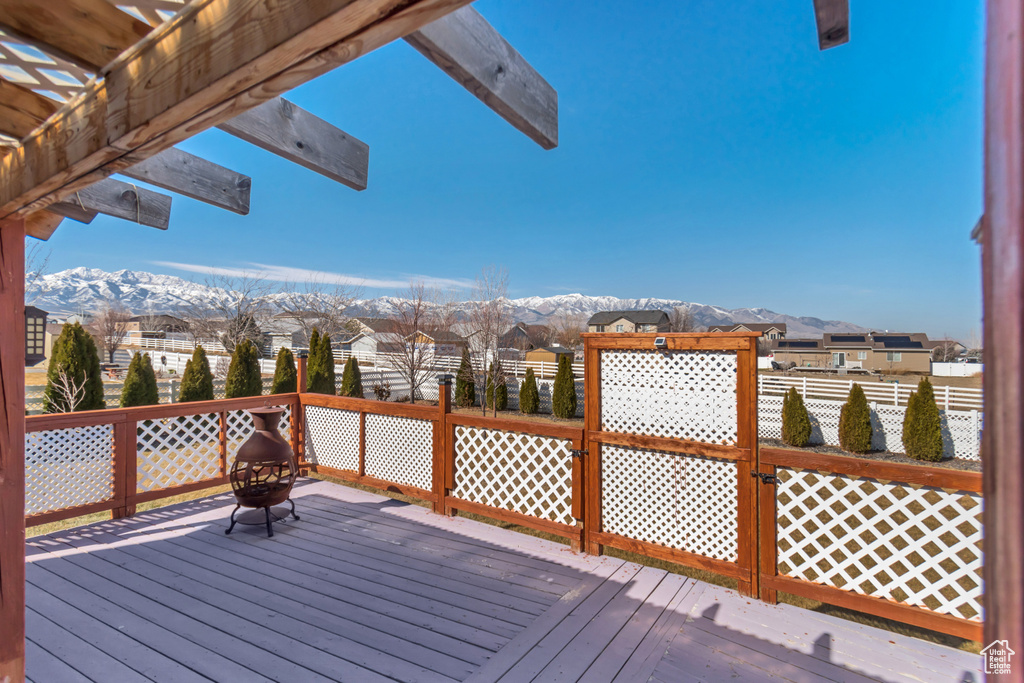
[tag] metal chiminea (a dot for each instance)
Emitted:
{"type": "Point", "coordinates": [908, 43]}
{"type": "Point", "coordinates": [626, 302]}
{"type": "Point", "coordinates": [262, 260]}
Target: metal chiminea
{"type": "Point", "coordinates": [263, 472]}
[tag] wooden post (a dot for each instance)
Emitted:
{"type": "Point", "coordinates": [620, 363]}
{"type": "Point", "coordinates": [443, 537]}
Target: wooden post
{"type": "Point", "coordinates": [223, 445]}
{"type": "Point", "coordinates": [362, 444]}
{"type": "Point", "coordinates": [12, 450]}
{"type": "Point", "coordinates": [746, 489]}
{"type": "Point", "coordinates": [125, 467]}
{"type": "Point", "coordinates": [1002, 250]}
{"type": "Point", "coordinates": [592, 461]}
{"type": "Point", "coordinates": [443, 451]}
{"type": "Point", "coordinates": [301, 372]}
{"type": "Point", "coordinates": [299, 414]}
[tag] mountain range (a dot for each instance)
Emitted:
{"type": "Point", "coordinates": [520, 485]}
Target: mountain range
{"type": "Point", "coordinates": [85, 289]}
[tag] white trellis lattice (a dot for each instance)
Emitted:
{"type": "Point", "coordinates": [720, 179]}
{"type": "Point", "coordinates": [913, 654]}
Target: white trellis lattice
{"type": "Point", "coordinates": [680, 501]}
{"type": "Point", "coordinates": [675, 394]}
{"type": "Point", "coordinates": [332, 437]}
{"type": "Point", "coordinates": [240, 428]}
{"type": "Point", "coordinates": [914, 544]}
{"type": "Point", "coordinates": [400, 449]}
{"type": "Point", "coordinates": [178, 450]}
{"type": "Point", "coordinates": [523, 473]}
{"type": "Point", "coordinates": [68, 467]}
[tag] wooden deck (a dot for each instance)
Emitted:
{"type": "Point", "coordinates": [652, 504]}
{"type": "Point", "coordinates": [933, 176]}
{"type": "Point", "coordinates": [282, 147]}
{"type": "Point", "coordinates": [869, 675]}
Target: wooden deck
{"type": "Point", "coordinates": [364, 588]}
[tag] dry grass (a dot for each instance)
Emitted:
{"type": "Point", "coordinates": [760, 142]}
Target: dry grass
{"type": "Point", "coordinates": [543, 418]}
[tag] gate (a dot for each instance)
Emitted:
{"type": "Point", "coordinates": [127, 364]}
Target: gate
{"type": "Point", "coordinates": [672, 448]}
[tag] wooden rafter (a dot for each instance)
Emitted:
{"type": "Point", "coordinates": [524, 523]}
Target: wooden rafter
{"type": "Point", "coordinates": [472, 52]}
{"type": "Point", "coordinates": [22, 110]}
{"type": "Point", "coordinates": [207, 65]}
{"type": "Point", "coordinates": [833, 19]}
{"type": "Point", "coordinates": [121, 200]}
{"type": "Point", "coordinates": [42, 224]}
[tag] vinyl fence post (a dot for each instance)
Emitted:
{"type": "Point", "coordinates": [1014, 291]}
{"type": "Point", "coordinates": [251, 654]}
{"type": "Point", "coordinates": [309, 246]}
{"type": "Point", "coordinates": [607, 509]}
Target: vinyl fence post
{"type": "Point", "coordinates": [173, 390]}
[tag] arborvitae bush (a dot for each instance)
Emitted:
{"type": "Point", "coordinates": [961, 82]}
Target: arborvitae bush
{"type": "Point", "coordinates": [497, 399]}
{"type": "Point", "coordinates": [855, 422]}
{"type": "Point", "coordinates": [922, 425]}
{"type": "Point", "coordinates": [139, 387]}
{"type": "Point", "coordinates": [501, 395]}
{"type": "Point", "coordinates": [285, 375]}
{"type": "Point", "coordinates": [352, 379]}
{"type": "Point", "coordinates": [244, 372]}
{"type": "Point", "coordinates": [197, 380]}
{"type": "Point", "coordinates": [465, 387]}
{"type": "Point", "coordinates": [320, 366]}
{"type": "Point", "coordinates": [529, 396]}
{"type": "Point", "coordinates": [563, 397]}
{"type": "Point", "coordinates": [796, 424]}
{"type": "Point", "coordinates": [75, 357]}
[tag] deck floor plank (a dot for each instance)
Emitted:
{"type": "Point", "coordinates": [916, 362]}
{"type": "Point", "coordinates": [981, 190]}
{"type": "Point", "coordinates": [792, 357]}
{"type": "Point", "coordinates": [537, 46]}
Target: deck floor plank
{"type": "Point", "coordinates": [364, 587]}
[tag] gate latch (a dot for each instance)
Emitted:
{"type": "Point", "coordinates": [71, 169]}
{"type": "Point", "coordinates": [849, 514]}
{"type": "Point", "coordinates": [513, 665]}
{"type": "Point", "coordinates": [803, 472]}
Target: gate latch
{"type": "Point", "coordinates": [765, 477]}
{"type": "Point", "coordinates": [579, 453]}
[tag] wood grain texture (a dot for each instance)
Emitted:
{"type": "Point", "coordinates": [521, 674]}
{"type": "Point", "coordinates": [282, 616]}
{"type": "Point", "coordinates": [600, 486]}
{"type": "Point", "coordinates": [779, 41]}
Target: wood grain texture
{"type": "Point", "coordinates": [468, 49]}
{"type": "Point", "coordinates": [89, 33]}
{"type": "Point", "coordinates": [293, 133]}
{"type": "Point", "coordinates": [122, 200]}
{"type": "Point", "coordinates": [371, 406]}
{"type": "Point", "coordinates": [1002, 448]}
{"type": "Point", "coordinates": [833, 20]}
{"type": "Point", "coordinates": [554, 431]}
{"type": "Point", "coordinates": [661, 552]}
{"type": "Point", "coordinates": [701, 341]}
{"type": "Point", "coordinates": [22, 110]}
{"type": "Point", "coordinates": [42, 224]}
{"type": "Point", "coordinates": [12, 450]}
{"type": "Point", "coordinates": [71, 210]}
{"type": "Point", "coordinates": [210, 63]}
{"type": "Point", "coordinates": [512, 517]}
{"type": "Point", "coordinates": [196, 178]}
{"type": "Point", "coordinates": [662, 443]}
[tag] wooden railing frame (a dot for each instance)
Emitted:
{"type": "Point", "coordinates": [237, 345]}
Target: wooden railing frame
{"type": "Point", "coordinates": [771, 582]}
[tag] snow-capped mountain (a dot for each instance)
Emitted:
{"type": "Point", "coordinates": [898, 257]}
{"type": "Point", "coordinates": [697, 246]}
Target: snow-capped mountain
{"type": "Point", "coordinates": [84, 289]}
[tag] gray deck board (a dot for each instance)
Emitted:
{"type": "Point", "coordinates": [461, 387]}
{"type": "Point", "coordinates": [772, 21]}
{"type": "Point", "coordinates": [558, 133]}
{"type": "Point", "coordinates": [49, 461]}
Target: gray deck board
{"type": "Point", "coordinates": [365, 588]}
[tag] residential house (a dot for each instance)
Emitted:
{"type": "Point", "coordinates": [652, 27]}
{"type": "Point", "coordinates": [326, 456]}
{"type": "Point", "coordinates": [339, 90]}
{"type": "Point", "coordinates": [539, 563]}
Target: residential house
{"type": "Point", "coordinates": [768, 330]}
{"type": "Point", "coordinates": [947, 350]}
{"type": "Point", "coordinates": [35, 335]}
{"type": "Point", "coordinates": [154, 326]}
{"type": "Point", "coordinates": [525, 337]}
{"type": "Point", "coordinates": [874, 351]}
{"type": "Point", "coordinates": [549, 354]}
{"type": "Point", "coordinates": [629, 321]}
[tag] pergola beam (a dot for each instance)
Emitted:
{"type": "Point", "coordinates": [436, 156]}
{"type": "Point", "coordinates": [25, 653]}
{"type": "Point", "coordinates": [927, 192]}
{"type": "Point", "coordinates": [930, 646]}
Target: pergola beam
{"type": "Point", "coordinates": [71, 210]}
{"type": "Point", "coordinates": [121, 200]}
{"type": "Point", "coordinates": [471, 51]}
{"type": "Point", "coordinates": [210, 63]}
{"type": "Point", "coordinates": [22, 110]}
{"type": "Point", "coordinates": [295, 134]}
{"type": "Point", "coordinates": [833, 19]}
{"type": "Point", "coordinates": [42, 224]}
{"type": "Point", "coordinates": [194, 177]}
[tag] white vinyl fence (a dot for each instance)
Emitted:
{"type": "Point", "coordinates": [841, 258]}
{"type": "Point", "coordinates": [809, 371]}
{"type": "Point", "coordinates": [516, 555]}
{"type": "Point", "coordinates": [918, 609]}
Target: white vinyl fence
{"type": "Point", "coordinates": [961, 429]}
{"type": "Point", "coordinates": [893, 394]}
{"type": "Point", "coordinates": [957, 369]}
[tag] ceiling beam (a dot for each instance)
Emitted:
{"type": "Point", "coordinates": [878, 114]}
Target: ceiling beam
{"type": "Point", "coordinates": [471, 51]}
{"type": "Point", "coordinates": [295, 134]}
{"type": "Point", "coordinates": [195, 177]}
{"type": "Point", "coordinates": [833, 19]}
{"type": "Point", "coordinates": [88, 33]}
{"type": "Point", "coordinates": [73, 211]}
{"type": "Point", "coordinates": [22, 110]}
{"type": "Point", "coordinates": [121, 200]}
{"type": "Point", "coordinates": [42, 224]}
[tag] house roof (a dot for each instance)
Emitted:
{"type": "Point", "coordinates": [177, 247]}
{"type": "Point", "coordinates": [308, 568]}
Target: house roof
{"type": "Point", "coordinates": [557, 350]}
{"type": "Point", "coordinates": [651, 317]}
{"type": "Point", "coordinates": [33, 312]}
{"type": "Point", "coordinates": [892, 341]}
{"type": "Point", "coordinates": [376, 324]}
{"type": "Point", "coordinates": [753, 327]}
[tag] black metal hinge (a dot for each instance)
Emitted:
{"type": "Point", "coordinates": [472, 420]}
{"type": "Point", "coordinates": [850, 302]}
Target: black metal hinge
{"type": "Point", "coordinates": [579, 453]}
{"type": "Point", "coordinates": [765, 477]}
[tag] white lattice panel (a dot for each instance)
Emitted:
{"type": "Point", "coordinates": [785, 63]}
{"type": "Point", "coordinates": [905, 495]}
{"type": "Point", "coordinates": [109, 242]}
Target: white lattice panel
{"type": "Point", "coordinates": [68, 467]}
{"type": "Point", "coordinates": [914, 544]}
{"type": "Point", "coordinates": [240, 429]}
{"type": "Point", "coordinates": [524, 473]}
{"type": "Point", "coordinates": [332, 437]}
{"type": "Point", "coordinates": [687, 502]}
{"type": "Point", "coordinates": [178, 450]}
{"type": "Point", "coordinates": [400, 449]}
{"type": "Point", "coordinates": [961, 429]}
{"type": "Point", "coordinates": [676, 394]}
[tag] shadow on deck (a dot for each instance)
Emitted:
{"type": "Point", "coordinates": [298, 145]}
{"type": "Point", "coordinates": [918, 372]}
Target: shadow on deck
{"type": "Point", "coordinates": [365, 588]}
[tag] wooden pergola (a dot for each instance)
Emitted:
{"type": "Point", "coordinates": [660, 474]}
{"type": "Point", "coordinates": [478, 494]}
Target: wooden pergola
{"type": "Point", "coordinates": [88, 90]}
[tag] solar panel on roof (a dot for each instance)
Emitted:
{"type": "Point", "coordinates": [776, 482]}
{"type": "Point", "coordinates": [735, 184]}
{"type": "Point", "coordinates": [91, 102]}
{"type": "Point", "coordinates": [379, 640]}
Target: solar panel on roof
{"type": "Point", "coordinates": [799, 344]}
{"type": "Point", "coordinates": [848, 338]}
{"type": "Point", "coordinates": [889, 344]}
{"type": "Point", "coordinates": [895, 339]}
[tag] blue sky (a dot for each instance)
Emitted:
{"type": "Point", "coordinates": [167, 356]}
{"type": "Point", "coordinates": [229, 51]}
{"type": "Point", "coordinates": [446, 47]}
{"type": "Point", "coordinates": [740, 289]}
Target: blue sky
{"type": "Point", "coordinates": [708, 152]}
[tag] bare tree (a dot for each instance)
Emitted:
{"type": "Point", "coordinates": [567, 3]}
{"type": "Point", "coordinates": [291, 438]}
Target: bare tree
{"type": "Point", "coordinates": [68, 392]}
{"type": "Point", "coordinates": [566, 329]}
{"type": "Point", "coordinates": [109, 327]}
{"type": "Point", "coordinates": [946, 351]}
{"type": "Point", "coordinates": [764, 347]}
{"type": "Point", "coordinates": [37, 260]}
{"type": "Point", "coordinates": [238, 316]}
{"type": "Point", "coordinates": [413, 317]}
{"type": "Point", "coordinates": [490, 318]}
{"type": "Point", "coordinates": [321, 305]}
{"type": "Point", "coordinates": [681, 319]}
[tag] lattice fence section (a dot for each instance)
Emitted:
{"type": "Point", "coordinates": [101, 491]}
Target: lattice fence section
{"type": "Point", "coordinates": [961, 429]}
{"type": "Point", "coordinates": [523, 473]}
{"type": "Point", "coordinates": [178, 450]}
{"type": "Point", "coordinates": [400, 449]}
{"type": "Point", "coordinates": [240, 429]}
{"type": "Point", "coordinates": [676, 394]}
{"type": "Point", "coordinates": [680, 501]}
{"type": "Point", "coordinates": [68, 467]}
{"type": "Point", "coordinates": [332, 437]}
{"type": "Point", "coordinates": [914, 544]}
